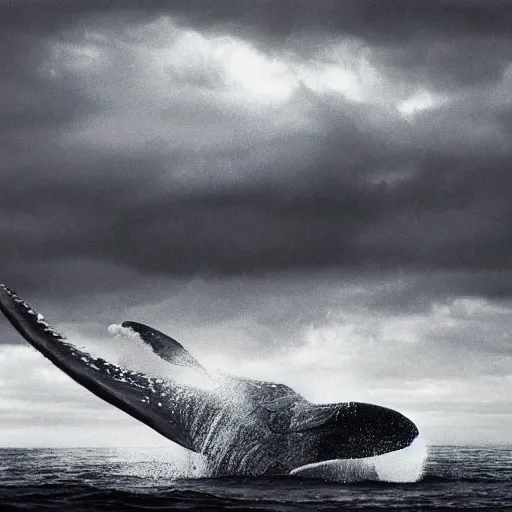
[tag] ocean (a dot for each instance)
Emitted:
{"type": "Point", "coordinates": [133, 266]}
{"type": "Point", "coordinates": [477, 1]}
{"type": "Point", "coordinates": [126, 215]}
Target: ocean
{"type": "Point", "coordinates": [94, 479]}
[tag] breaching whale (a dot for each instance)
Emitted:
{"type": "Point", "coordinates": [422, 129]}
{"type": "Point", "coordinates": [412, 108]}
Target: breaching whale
{"type": "Point", "coordinates": [241, 426]}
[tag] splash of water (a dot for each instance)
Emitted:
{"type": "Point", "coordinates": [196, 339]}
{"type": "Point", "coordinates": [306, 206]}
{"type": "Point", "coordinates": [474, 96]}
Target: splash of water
{"type": "Point", "coordinates": [118, 331]}
{"type": "Point", "coordinates": [400, 466]}
{"type": "Point", "coordinates": [405, 465]}
{"type": "Point", "coordinates": [161, 466]}
{"type": "Point", "coordinates": [219, 431]}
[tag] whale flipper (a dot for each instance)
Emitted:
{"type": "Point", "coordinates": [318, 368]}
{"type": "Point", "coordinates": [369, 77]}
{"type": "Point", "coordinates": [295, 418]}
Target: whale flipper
{"type": "Point", "coordinates": [243, 426]}
{"type": "Point", "coordinates": [125, 389]}
{"type": "Point", "coordinates": [164, 346]}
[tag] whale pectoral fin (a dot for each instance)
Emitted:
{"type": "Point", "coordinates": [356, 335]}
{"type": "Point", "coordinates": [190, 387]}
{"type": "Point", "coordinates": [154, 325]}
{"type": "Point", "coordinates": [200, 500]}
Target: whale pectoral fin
{"type": "Point", "coordinates": [281, 403]}
{"type": "Point", "coordinates": [134, 393]}
{"type": "Point", "coordinates": [308, 416]}
{"type": "Point", "coordinates": [292, 413]}
{"type": "Point", "coordinates": [164, 346]}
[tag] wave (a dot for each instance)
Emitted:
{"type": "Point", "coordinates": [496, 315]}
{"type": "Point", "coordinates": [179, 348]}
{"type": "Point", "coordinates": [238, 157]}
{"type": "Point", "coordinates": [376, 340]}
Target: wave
{"type": "Point", "coordinates": [486, 478]}
{"type": "Point", "coordinates": [281, 493]}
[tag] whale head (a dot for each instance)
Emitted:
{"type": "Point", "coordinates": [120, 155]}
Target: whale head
{"type": "Point", "coordinates": [359, 430]}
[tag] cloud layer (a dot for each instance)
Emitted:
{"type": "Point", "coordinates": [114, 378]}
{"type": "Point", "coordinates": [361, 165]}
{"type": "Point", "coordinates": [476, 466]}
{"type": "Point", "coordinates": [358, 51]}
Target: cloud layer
{"type": "Point", "coordinates": [249, 172]}
{"type": "Point", "coordinates": [218, 156]}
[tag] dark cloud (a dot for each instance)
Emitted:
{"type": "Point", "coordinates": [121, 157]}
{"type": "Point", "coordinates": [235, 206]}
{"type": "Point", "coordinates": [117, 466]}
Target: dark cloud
{"type": "Point", "coordinates": [396, 19]}
{"type": "Point", "coordinates": [447, 216]}
{"type": "Point", "coordinates": [107, 180]}
{"type": "Point", "coordinates": [449, 43]}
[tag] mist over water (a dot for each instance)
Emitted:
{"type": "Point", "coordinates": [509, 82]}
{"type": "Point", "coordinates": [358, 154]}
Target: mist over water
{"type": "Point", "coordinates": [405, 465]}
{"type": "Point", "coordinates": [155, 466]}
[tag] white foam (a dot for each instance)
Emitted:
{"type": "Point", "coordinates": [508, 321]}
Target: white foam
{"type": "Point", "coordinates": [161, 466]}
{"type": "Point", "coordinates": [118, 330]}
{"type": "Point", "coordinates": [405, 465]}
{"type": "Point", "coordinates": [338, 470]}
{"type": "Point", "coordinates": [400, 466]}
{"type": "Point", "coordinates": [190, 376]}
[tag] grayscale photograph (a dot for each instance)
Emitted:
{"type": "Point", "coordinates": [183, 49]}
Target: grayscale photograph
{"type": "Point", "coordinates": [255, 255]}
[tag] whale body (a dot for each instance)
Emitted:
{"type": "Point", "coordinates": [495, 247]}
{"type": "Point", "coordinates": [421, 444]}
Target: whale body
{"type": "Point", "coordinates": [241, 426]}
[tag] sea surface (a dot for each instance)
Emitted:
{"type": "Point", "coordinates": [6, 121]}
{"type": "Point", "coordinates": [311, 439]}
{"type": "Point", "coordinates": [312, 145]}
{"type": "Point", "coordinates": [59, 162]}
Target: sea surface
{"type": "Point", "coordinates": [149, 479]}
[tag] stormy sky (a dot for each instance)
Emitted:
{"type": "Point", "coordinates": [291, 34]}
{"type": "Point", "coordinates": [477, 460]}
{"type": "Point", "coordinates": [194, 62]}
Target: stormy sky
{"type": "Point", "coordinates": [312, 192]}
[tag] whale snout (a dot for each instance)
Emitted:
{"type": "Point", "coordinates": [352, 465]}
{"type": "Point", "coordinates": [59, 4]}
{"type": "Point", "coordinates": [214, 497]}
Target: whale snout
{"type": "Point", "coordinates": [381, 430]}
{"type": "Point", "coordinates": [398, 432]}
{"type": "Point", "coordinates": [359, 430]}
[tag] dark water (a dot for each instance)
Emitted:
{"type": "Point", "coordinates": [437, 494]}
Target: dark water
{"type": "Point", "coordinates": [146, 479]}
